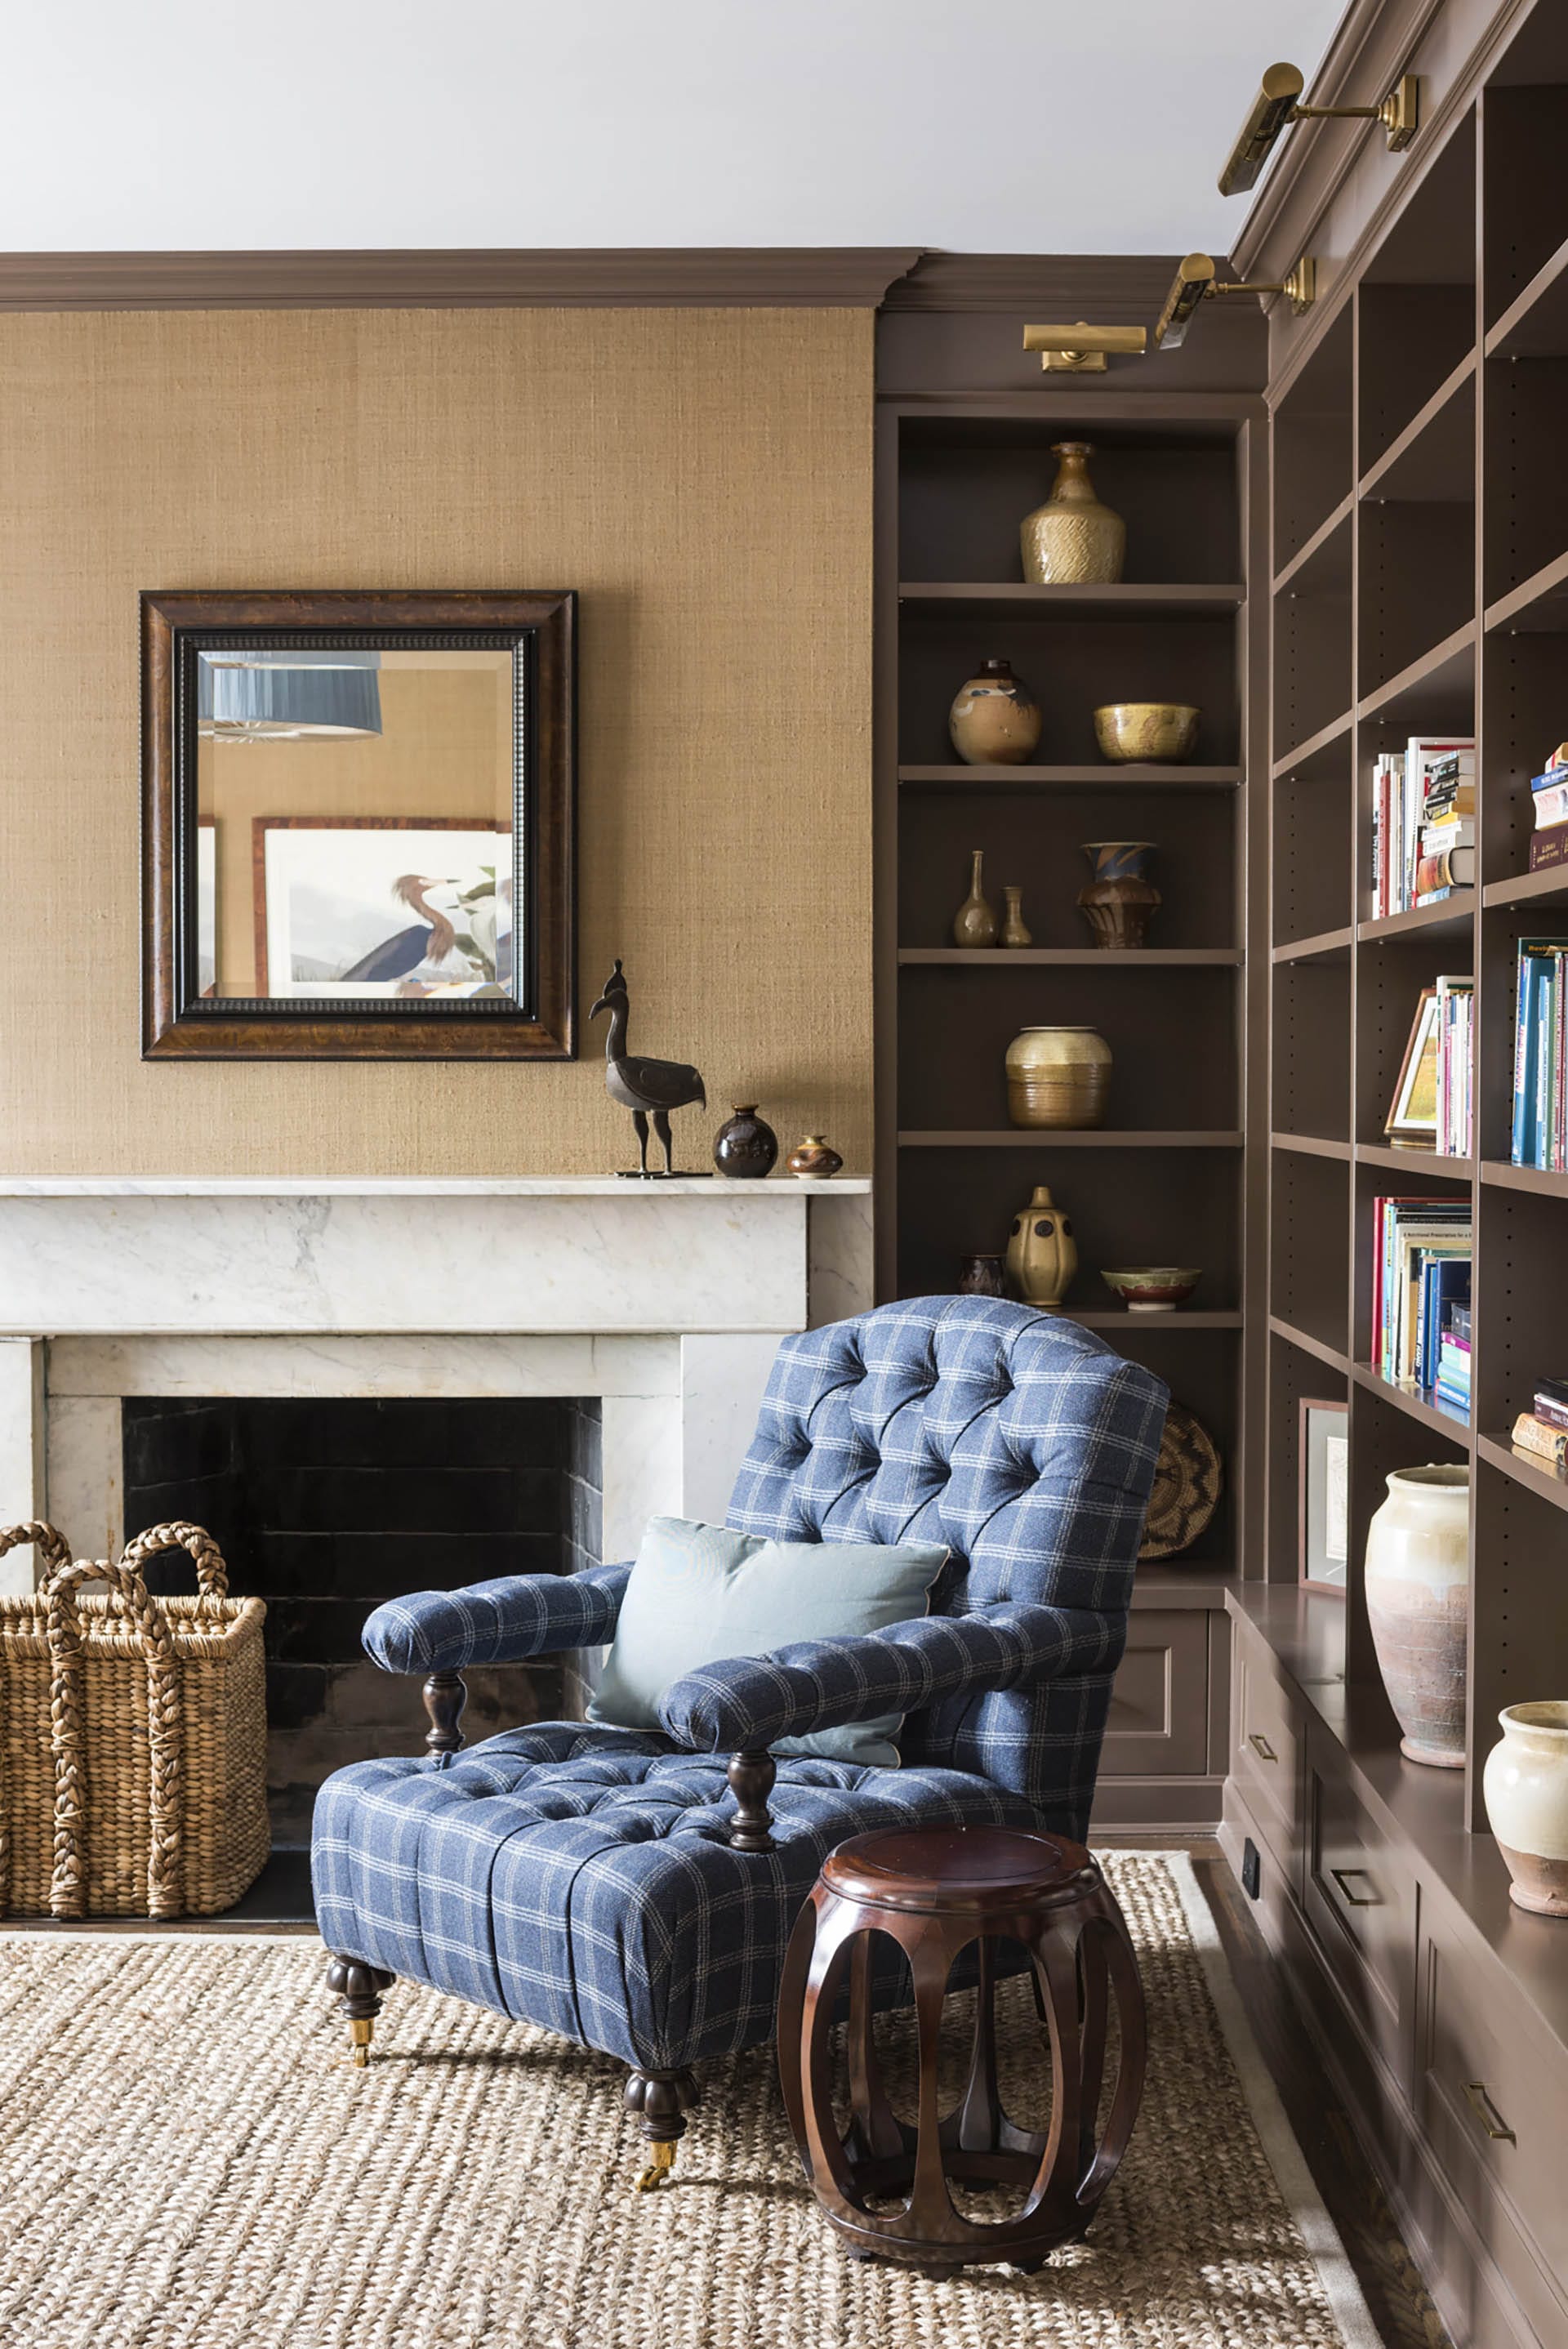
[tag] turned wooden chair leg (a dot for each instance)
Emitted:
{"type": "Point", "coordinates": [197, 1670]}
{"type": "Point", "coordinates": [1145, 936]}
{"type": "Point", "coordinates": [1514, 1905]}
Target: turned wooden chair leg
{"type": "Point", "coordinates": [660, 2099]}
{"type": "Point", "coordinates": [360, 1989]}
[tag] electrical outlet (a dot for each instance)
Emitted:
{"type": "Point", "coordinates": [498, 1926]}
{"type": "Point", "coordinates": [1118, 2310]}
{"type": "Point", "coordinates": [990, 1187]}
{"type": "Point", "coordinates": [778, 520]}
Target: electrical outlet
{"type": "Point", "coordinates": [1252, 1870]}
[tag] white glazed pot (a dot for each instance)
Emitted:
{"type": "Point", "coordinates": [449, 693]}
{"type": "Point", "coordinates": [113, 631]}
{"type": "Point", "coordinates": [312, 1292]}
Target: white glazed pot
{"type": "Point", "coordinates": [1417, 1601]}
{"type": "Point", "coordinates": [1526, 1787]}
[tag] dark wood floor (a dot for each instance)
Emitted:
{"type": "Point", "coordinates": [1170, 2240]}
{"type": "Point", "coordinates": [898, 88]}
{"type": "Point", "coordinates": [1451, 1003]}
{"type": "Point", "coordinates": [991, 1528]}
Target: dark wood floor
{"type": "Point", "coordinates": [279, 1901]}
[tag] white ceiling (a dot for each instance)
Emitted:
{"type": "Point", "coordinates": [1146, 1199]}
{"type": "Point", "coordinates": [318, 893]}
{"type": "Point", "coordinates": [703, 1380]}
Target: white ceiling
{"type": "Point", "coordinates": [982, 125]}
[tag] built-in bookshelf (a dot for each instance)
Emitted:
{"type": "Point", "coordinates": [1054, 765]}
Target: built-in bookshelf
{"type": "Point", "coordinates": [1419, 557]}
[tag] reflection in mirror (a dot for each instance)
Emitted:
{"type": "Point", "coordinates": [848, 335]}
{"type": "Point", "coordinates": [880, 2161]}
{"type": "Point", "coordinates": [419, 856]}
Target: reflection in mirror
{"type": "Point", "coordinates": [355, 811]}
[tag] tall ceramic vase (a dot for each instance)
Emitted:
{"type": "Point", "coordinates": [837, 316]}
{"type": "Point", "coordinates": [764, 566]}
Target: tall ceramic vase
{"type": "Point", "coordinates": [975, 924]}
{"type": "Point", "coordinates": [1117, 902]}
{"type": "Point", "coordinates": [1526, 1785]}
{"type": "Point", "coordinates": [1042, 1253]}
{"type": "Point", "coordinates": [1417, 1601]}
{"type": "Point", "coordinates": [1072, 538]}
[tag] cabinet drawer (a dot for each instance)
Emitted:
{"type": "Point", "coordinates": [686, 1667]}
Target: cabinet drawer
{"type": "Point", "coordinates": [1158, 1723]}
{"type": "Point", "coordinates": [1361, 1904]}
{"type": "Point", "coordinates": [1492, 2104]}
{"type": "Point", "coordinates": [1265, 1750]}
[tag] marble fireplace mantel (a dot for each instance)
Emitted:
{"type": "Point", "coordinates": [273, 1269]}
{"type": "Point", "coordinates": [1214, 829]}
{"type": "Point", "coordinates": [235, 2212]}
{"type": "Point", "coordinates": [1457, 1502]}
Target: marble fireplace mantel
{"type": "Point", "coordinates": [666, 1300]}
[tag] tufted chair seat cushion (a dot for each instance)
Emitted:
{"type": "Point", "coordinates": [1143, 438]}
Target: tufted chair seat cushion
{"type": "Point", "coordinates": [580, 1878]}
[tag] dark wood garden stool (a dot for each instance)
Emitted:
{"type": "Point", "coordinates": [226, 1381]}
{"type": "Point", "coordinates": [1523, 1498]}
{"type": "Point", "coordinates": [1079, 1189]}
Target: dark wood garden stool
{"type": "Point", "coordinates": [935, 1890]}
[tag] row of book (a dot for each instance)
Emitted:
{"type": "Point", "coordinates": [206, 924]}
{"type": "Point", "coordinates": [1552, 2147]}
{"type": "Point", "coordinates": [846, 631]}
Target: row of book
{"type": "Point", "coordinates": [1423, 822]}
{"type": "Point", "coordinates": [1544, 1431]}
{"type": "Point", "coordinates": [1421, 1252]}
{"type": "Point", "coordinates": [1549, 791]}
{"type": "Point", "coordinates": [1540, 1054]}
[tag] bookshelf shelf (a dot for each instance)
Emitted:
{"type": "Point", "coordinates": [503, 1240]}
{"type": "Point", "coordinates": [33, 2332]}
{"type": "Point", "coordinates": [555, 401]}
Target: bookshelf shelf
{"type": "Point", "coordinates": [1005, 600]}
{"type": "Point", "coordinates": [1328, 946]}
{"type": "Point", "coordinates": [1330, 1356]}
{"type": "Point", "coordinates": [1073, 957]}
{"type": "Point", "coordinates": [1181, 1322]}
{"type": "Point", "coordinates": [1318, 565]}
{"type": "Point", "coordinates": [1041, 1139]}
{"type": "Point", "coordinates": [1432, 460]}
{"type": "Point", "coordinates": [1138, 778]}
{"type": "Point", "coordinates": [1537, 607]}
{"type": "Point", "coordinates": [1535, 324]}
{"type": "Point", "coordinates": [1427, 1166]}
{"type": "Point", "coordinates": [1447, 918]}
{"type": "Point", "coordinates": [1311, 760]}
{"type": "Point", "coordinates": [1503, 1177]}
{"type": "Point", "coordinates": [1529, 888]}
{"type": "Point", "coordinates": [1537, 1477]}
{"type": "Point", "coordinates": [1436, 1418]}
{"type": "Point", "coordinates": [1437, 690]}
{"type": "Point", "coordinates": [1312, 1145]}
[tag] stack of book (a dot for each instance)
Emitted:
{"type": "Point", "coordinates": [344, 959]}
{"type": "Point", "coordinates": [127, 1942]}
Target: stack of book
{"type": "Point", "coordinates": [1540, 1031]}
{"type": "Point", "coordinates": [1544, 1431]}
{"type": "Point", "coordinates": [1456, 1066]}
{"type": "Point", "coordinates": [1452, 1382]}
{"type": "Point", "coordinates": [1423, 823]}
{"type": "Point", "coordinates": [1549, 842]}
{"type": "Point", "coordinates": [1421, 1252]}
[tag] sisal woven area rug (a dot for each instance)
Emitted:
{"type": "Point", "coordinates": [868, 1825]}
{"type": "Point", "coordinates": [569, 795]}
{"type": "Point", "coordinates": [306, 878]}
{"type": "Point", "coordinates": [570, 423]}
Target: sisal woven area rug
{"type": "Point", "coordinates": [184, 2165]}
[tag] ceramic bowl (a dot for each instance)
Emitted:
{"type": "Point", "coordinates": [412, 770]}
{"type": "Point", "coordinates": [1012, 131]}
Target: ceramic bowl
{"type": "Point", "coordinates": [1159, 731]}
{"type": "Point", "coordinates": [1154, 1288]}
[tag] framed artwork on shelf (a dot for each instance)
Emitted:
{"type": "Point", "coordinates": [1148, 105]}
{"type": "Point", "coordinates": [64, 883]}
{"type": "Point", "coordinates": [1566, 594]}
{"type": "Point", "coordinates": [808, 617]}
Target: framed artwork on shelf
{"type": "Point", "coordinates": [1412, 1120]}
{"type": "Point", "coordinates": [1323, 1457]}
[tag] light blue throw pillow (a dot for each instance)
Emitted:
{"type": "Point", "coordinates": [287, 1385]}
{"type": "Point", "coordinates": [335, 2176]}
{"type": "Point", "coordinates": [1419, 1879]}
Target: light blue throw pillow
{"type": "Point", "coordinates": [699, 1593]}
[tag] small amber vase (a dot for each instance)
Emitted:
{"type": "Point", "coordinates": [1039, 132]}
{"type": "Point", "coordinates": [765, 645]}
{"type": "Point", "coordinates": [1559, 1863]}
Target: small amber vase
{"type": "Point", "coordinates": [1042, 1253]}
{"type": "Point", "coordinates": [975, 924]}
{"type": "Point", "coordinates": [1015, 930]}
{"type": "Point", "coordinates": [1072, 539]}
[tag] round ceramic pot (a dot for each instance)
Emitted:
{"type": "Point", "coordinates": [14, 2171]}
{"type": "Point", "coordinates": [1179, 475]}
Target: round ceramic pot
{"type": "Point", "coordinates": [994, 720]}
{"type": "Point", "coordinates": [1042, 1254]}
{"type": "Point", "coordinates": [1165, 732]}
{"type": "Point", "coordinates": [1117, 902]}
{"type": "Point", "coordinates": [1072, 538]}
{"type": "Point", "coordinates": [1154, 1288]}
{"type": "Point", "coordinates": [745, 1145]}
{"type": "Point", "coordinates": [1526, 1784]}
{"type": "Point", "coordinates": [813, 1160]}
{"type": "Point", "coordinates": [981, 1276]}
{"type": "Point", "coordinates": [1417, 1601]}
{"type": "Point", "coordinates": [1057, 1077]}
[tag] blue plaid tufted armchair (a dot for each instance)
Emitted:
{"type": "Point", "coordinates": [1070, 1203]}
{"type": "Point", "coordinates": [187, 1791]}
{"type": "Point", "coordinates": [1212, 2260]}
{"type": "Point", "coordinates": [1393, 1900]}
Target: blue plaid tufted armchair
{"type": "Point", "coordinates": [636, 1891]}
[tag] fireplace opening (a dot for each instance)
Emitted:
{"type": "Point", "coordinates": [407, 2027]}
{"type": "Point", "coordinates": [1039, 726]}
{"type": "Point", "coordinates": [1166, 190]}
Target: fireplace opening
{"type": "Point", "coordinates": [324, 1508]}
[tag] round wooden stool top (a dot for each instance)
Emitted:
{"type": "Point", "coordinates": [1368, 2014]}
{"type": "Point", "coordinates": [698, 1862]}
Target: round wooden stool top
{"type": "Point", "coordinates": [956, 1870]}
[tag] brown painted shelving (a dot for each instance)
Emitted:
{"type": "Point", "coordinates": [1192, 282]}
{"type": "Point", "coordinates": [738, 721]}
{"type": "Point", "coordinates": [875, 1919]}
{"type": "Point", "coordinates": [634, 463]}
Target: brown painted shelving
{"type": "Point", "coordinates": [1133, 777]}
{"type": "Point", "coordinates": [1004, 958]}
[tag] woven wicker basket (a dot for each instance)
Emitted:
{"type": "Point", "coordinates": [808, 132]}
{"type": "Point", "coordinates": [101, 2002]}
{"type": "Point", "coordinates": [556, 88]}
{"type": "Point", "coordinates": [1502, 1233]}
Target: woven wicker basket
{"type": "Point", "coordinates": [132, 1737]}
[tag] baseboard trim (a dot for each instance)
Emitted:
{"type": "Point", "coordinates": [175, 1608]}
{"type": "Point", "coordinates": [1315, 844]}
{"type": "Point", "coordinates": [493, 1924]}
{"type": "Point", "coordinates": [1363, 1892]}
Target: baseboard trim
{"type": "Point", "coordinates": [1127, 1804]}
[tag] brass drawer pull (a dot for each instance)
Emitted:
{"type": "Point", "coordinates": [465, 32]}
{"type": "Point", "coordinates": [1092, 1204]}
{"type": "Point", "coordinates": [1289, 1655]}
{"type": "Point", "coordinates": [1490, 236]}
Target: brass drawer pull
{"type": "Point", "coordinates": [1355, 1899]}
{"type": "Point", "coordinates": [1261, 1747]}
{"type": "Point", "coordinates": [1486, 2112]}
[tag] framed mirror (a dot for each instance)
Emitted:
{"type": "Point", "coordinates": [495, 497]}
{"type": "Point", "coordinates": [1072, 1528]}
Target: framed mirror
{"type": "Point", "coordinates": [358, 826]}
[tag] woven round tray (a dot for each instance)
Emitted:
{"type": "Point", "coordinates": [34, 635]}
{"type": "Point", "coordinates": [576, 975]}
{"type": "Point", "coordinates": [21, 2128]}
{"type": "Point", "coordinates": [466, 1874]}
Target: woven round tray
{"type": "Point", "coordinates": [1187, 1481]}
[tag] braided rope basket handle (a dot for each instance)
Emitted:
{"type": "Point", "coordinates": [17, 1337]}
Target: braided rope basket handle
{"type": "Point", "coordinates": [67, 1889]}
{"type": "Point", "coordinates": [211, 1574]}
{"type": "Point", "coordinates": [53, 1550]}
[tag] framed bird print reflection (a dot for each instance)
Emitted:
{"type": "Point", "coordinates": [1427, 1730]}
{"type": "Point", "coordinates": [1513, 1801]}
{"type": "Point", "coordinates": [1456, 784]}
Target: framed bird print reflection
{"type": "Point", "coordinates": [358, 817]}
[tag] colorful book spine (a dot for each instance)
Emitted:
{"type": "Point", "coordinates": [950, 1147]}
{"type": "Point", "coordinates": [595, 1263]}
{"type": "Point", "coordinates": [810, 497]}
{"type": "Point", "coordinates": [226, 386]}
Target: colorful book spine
{"type": "Point", "coordinates": [1533, 1435]}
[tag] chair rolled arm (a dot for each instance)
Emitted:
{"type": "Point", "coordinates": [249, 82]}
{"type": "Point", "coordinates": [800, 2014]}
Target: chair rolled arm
{"type": "Point", "coordinates": [744, 1702]}
{"type": "Point", "coordinates": [500, 1622]}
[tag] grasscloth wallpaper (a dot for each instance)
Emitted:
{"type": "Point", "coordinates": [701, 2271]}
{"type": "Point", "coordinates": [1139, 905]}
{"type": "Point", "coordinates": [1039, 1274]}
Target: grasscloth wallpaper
{"type": "Point", "coordinates": [704, 478]}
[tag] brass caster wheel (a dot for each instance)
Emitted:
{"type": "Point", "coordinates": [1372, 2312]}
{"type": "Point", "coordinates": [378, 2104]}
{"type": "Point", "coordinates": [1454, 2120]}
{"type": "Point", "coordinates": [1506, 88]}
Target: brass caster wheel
{"type": "Point", "coordinates": [660, 2170]}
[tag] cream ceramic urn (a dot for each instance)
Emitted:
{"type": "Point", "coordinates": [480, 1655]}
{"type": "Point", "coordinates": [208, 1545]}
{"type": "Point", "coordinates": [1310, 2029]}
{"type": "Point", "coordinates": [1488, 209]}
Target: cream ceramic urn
{"type": "Point", "coordinates": [1417, 1603]}
{"type": "Point", "coordinates": [1526, 1785]}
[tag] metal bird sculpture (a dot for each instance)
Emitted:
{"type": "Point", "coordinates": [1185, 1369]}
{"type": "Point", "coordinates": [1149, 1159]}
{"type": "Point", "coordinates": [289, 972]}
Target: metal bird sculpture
{"type": "Point", "coordinates": [643, 1086]}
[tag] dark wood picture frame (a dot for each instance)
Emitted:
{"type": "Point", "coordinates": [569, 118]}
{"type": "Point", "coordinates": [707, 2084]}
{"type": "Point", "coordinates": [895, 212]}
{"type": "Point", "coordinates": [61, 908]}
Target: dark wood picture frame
{"type": "Point", "coordinates": [1307, 1579]}
{"type": "Point", "coordinates": [540, 627]}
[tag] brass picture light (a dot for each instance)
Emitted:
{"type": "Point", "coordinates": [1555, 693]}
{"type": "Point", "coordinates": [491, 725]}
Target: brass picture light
{"type": "Point", "coordinates": [1278, 104]}
{"type": "Point", "coordinates": [1081, 350]}
{"type": "Point", "coordinates": [1195, 282]}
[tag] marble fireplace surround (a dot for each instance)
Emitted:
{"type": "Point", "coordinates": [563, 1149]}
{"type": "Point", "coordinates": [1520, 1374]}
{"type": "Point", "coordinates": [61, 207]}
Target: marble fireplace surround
{"type": "Point", "coordinates": [665, 1301]}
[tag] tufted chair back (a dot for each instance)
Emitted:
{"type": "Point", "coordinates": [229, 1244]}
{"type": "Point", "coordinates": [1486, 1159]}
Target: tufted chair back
{"type": "Point", "coordinates": [1022, 1442]}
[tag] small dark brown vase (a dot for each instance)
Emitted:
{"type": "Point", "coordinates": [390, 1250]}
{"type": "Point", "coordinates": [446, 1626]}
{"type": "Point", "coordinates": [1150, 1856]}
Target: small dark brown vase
{"type": "Point", "coordinates": [981, 1276]}
{"type": "Point", "coordinates": [746, 1145]}
{"type": "Point", "coordinates": [813, 1160]}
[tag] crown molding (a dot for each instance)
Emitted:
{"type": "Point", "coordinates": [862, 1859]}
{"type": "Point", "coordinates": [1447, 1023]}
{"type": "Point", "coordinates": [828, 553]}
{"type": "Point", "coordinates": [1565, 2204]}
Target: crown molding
{"type": "Point", "coordinates": [1098, 288]}
{"type": "Point", "coordinates": [697, 277]}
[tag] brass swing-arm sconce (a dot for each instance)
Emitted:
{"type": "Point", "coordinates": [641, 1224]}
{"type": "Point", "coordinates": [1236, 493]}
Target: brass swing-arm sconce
{"type": "Point", "coordinates": [1278, 104]}
{"type": "Point", "coordinates": [1195, 282]}
{"type": "Point", "coordinates": [1081, 350]}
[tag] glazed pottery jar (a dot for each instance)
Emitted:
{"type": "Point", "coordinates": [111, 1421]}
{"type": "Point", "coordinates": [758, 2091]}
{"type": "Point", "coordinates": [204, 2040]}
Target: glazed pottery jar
{"type": "Point", "coordinates": [1072, 537]}
{"type": "Point", "coordinates": [1057, 1077]}
{"type": "Point", "coordinates": [981, 1276]}
{"type": "Point", "coordinates": [1015, 930]}
{"type": "Point", "coordinates": [975, 924]}
{"type": "Point", "coordinates": [1042, 1254]}
{"type": "Point", "coordinates": [994, 720]}
{"type": "Point", "coordinates": [813, 1160]}
{"type": "Point", "coordinates": [1526, 1784]}
{"type": "Point", "coordinates": [746, 1145]}
{"type": "Point", "coordinates": [1417, 1602]}
{"type": "Point", "coordinates": [1117, 902]}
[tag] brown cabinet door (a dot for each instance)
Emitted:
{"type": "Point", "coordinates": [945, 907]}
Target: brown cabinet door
{"type": "Point", "coordinates": [1266, 1745]}
{"type": "Point", "coordinates": [1158, 1723]}
{"type": "Point", "coordinates": [1362, 1906]}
